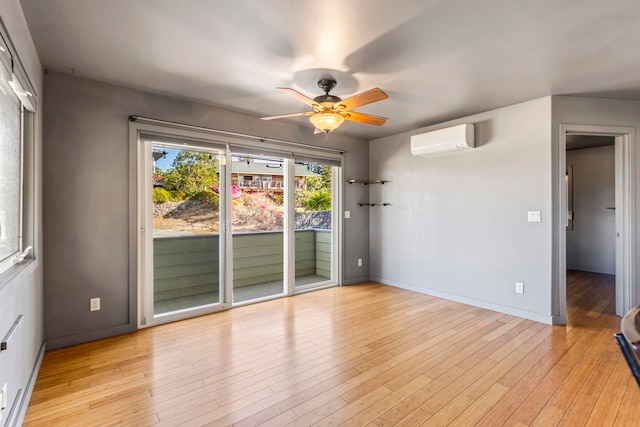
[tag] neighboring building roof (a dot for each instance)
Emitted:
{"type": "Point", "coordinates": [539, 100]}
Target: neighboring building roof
{"type": "Point", "coordinates": [258, 168]}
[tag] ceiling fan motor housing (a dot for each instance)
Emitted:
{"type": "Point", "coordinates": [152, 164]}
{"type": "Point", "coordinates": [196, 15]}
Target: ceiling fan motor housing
{"type": "Point", "coordinates": [326, 85]}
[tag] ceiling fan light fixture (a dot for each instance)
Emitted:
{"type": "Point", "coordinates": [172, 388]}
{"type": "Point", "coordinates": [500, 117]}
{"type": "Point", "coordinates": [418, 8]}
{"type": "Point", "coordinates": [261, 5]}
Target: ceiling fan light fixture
{"type": "Point", "coordinates": [326, 122]}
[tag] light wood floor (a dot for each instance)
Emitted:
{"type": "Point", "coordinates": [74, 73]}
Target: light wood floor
{"type": "Point", "coordinates": [358, 355]}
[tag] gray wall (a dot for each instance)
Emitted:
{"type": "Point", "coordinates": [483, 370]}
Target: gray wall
{"type": "Point", "coordinates": [21, 287]}
{"type": "Point", "coordinates": [602, 112]}
{"type": "Point", "coordinates": [86, 197]}
{"type": "Point", "coordinates": [591, 242]}
{"type": "Point", "coordinates": [457, 225]}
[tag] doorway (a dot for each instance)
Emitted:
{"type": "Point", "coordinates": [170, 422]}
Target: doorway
{"type": "Point", "coordinates": [622, 210]}
{"type": "Point", "coordinates": [591, 204]}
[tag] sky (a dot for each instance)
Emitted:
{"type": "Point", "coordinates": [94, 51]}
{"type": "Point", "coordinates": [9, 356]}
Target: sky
{"type": "Point", "coordinates": [164, 163]}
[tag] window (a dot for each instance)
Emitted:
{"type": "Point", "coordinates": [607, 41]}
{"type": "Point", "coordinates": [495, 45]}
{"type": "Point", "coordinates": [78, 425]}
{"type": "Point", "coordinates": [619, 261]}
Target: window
{"type": "Point", "coordinates": [14, 100]}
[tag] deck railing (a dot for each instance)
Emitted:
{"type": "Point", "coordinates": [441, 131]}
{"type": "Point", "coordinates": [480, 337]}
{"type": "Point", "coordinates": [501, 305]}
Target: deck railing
{"type": "Point", "coordinates": [189, 265]}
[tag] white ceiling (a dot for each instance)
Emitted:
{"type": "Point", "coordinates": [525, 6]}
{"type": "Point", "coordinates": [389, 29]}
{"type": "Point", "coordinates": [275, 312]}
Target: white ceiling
{"type": "Point", "coordinates": [437, 59]}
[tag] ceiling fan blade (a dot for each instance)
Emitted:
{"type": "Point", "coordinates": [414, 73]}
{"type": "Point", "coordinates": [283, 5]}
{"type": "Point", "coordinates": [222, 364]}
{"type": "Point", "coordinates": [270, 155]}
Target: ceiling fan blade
{"type": "Point", "coordinates": [298, 96]}
{"type": "Point", "coordinates": [283, 116]}
{"type": "Point", "coordinates": [364, 118]}
{"type": "Point", "coordinates": [364, 98]}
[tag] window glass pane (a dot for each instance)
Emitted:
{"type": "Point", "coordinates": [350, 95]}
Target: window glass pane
{"type": "Point", "coordinates": [9, 169]}
{"type": "Point", "coordinates": [186, 227]}
{"type": "Point", "coordinates": [257, 223]}
{"type": "Point", "coordinates": [314, 231]}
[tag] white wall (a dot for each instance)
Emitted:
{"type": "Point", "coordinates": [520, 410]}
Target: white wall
{"type": "Point", "coordinates": [21, 288]}
{"type": "Point", "coordinates": [591, 241]}
{"type": "Point", "coordinates": [457, 226]}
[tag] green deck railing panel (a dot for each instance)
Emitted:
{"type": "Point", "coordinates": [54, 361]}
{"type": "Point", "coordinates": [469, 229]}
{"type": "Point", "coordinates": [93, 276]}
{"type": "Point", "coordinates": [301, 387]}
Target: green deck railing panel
{"type": "Point", "coordinates": [188, 265]}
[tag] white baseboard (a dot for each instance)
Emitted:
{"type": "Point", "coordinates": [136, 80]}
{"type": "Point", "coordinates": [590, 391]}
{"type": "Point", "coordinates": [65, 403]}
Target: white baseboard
{"type": "Point", "coordinates": [20, 405]}
{"type": "Point", "coordinates": [549, 320]}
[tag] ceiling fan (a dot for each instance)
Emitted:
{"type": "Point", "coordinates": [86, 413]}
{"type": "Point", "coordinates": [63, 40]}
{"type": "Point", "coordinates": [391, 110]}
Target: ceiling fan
{"type": "Point", "coordinates": [330, 111]}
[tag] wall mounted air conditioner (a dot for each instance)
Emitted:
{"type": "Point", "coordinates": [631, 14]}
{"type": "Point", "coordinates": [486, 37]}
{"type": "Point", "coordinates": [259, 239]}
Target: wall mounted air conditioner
{"type": "Point", "coordinates": [455, 138]}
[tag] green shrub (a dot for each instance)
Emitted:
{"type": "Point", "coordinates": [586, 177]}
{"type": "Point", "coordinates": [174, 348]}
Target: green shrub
{"type": "Point", "coordinates": [208, 196]}
{"type": "Point", "coordinates": [160, 195]}
{"type": "Point", "coordinates": [178, 196]}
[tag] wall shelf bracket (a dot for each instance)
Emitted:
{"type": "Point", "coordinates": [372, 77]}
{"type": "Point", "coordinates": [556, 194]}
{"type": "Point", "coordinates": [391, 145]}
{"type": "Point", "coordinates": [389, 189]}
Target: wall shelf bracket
{"type": "Point", "coordinates": [366, 182]}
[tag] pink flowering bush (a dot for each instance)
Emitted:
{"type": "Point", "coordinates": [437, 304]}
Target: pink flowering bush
{"type": "Point", "coordinates": [257, 212]}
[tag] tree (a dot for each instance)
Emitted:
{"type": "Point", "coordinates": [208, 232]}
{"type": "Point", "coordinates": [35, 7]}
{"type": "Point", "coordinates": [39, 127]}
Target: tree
{"type": "Point", "coordinates": [321, 182]}
{"type": "Point", "coordinates": [191, 173]}
{"type": "Point", "coordinates": [318, 201]}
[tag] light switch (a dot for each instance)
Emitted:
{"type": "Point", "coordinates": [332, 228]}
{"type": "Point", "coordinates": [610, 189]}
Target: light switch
{"type": "Point", "coordinates": [347, 214]}
{"type": "Point", "coordinates": [534, 216]}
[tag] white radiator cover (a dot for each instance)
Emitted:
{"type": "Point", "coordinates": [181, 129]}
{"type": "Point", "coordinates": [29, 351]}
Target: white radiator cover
{"type": "Point", "coordinates": [455, 138]}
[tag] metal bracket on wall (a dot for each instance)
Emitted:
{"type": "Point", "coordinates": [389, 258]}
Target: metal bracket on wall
{"type": "Point", "coordinates": [374, 204]}
{"type": "Point", "coordinates": [5, 340]}
{"type": "Point", "coordinates": [366, 182]}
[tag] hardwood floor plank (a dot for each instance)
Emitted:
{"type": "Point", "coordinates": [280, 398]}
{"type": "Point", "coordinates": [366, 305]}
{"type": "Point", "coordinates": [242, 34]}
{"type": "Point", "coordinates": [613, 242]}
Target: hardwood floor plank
{"type": "Point", "coordinates": [365, 354]}
{"type": "Point", "coordinates": [628, 411]}
{"type": "Point", "coordinates": [483, 404]}
{"type": "Point", "coordinates": [370, 415]}
{"type": "Point", "coordinates": [445, 415]}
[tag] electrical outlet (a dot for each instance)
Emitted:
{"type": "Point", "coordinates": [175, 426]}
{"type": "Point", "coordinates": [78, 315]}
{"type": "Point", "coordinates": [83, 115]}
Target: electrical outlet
{"type": "Point", "coordinates": [519, 288]}
{"type": "Point", "coordinates": [347, 214]}
{"type": "Point", "coordinates": [359, 262]}
{"type": "Point", "coordinates": [94, 304]}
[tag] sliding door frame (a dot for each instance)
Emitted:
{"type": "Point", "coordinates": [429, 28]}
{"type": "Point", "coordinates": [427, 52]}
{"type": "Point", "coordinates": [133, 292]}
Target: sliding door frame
{"type": "Point", "coordinates": [213, 139]}
{"type": "Point", "coordinates": [144, 222]}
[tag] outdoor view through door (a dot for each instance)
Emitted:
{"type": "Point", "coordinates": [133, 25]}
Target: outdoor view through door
{"type": "Point", "coordinates": [257, 222]}
{"type": "Point", "coordinates": [186, 229]}
{"type": "Point", "coordinates": [313, 224]}
{"type": "Point", "coordinates": [258, 188]}
{"type": "Point", "coordinates": [230, 225]}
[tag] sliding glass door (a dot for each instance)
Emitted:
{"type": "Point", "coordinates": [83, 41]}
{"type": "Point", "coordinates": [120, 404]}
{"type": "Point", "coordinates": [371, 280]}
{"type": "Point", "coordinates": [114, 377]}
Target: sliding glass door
{"type": "Point", "coordinates": [257, 222]}
{"type": "Point", "coordinates": [183, 254]}
{"type": "Point", "coordinates": [315, 238]}
{"type": "Point", "coordinates": [221, 224]}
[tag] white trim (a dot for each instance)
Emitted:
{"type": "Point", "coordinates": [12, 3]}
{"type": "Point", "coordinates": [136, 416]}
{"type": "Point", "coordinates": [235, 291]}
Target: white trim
{"type": "Point", "coordinates": [141, 137]}
{"type": "Point", "coordinates": [289, 232]}
{"type": "Point", "coordinates": [142, 147]}
{"type": "Point", "coordinates": [550, 320]}
{"type": "Point", "coordinates": [15, 416]}
{"type": "Point", "coordinates": [625, 214]}
{"type": "Point", "coordinates": [146, 231]}
{"type": "Point", "coordinates": [337, 223]}
{"type": "Point", "coordinates": [235, 137]}
{"type": "Point", "coordinates": [228, 233]}
{"type": "Point", "coordinates": [258, 300]}
{"type": "Point", "coordinates": [314, 287]}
